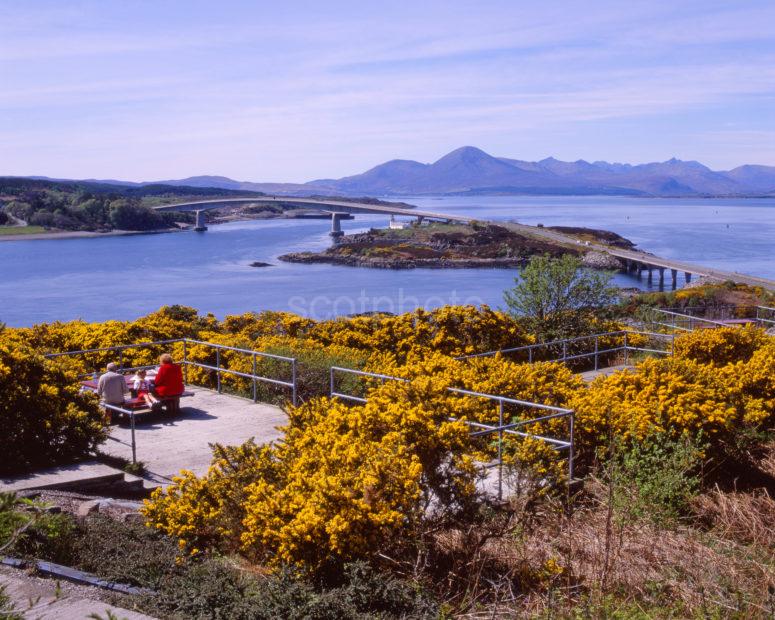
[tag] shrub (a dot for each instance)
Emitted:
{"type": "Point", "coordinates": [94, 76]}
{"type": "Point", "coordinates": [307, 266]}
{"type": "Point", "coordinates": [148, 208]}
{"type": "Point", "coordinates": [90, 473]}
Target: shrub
{"type": "Point", "coordinates": [52, 537]}
{"type": "Point", "coordinates": [44, 416]}
{"type": "Point", "coordinates": [555, 295]}
{"type": "Point", "coordinates": [124, 552]}
{"type": "Point", "coordinates": [344, 481]}
{"type": "Point", "coordinates": [312, 369]}
{"type": "Point", "coordinates": [215, 589]}
{"type": "Point", "coordinates": [720, 346]}
{"type": "Point", "coordinates": [671, 396]}
{"type": "Point", "coordinates": [656, 478]}
{"type": "Point", "coordinates": [450, 330]}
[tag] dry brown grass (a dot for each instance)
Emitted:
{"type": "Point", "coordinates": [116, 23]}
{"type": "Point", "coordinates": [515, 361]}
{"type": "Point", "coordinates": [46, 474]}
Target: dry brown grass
{"type": "Point", "coordinates": [546, 563]}
{"type": "Point", "coordinates": [746, 518]}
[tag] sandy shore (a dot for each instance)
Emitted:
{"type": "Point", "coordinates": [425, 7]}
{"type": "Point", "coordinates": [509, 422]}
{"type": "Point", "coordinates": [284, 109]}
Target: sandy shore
{"type": "Point", "coordinates": [77, 234]}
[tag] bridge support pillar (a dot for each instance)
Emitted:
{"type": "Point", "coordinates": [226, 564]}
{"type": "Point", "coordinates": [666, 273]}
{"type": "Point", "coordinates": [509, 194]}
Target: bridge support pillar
{"type": "Point", "coordinates": [420, 219]}
{"type": "Point", "coordinates": [336, 225]}
{"type": "Point", "coordinates": [200, 225]}
{"type": "Point", "coordinates": [661, 277]}
{"type": "Point", "coordinates": [687, 277]}
{"type": "Point", "coordinates": [675, 277]}
{"type": "Point", "coordinates": [651, 273]}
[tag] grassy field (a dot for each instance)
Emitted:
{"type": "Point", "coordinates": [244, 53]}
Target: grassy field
{"type": "Point", "coordinates": [21, 230]}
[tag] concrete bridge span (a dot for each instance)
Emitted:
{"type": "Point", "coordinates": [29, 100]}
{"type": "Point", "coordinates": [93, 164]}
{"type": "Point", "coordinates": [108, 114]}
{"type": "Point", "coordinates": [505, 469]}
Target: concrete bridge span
{"type": "Point", "coordinates": [339, 209]}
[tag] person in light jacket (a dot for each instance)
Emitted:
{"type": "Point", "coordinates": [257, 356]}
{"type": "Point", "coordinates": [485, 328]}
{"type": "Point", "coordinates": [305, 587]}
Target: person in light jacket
{"type": "Point", "coordinates": [112, 387]}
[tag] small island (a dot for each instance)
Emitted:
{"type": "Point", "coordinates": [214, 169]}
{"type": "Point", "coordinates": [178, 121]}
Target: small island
{"type": "Point", "coordinates": [444, 246]}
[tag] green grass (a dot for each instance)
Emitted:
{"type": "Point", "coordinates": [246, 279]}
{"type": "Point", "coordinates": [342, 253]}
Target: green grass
{"type": "Point", "coordinates": [21, 230]}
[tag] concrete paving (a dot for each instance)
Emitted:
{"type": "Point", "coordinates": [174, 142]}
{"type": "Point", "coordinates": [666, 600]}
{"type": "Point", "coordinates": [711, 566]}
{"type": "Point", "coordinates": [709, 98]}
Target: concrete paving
{"type": "Point", "coordinates": [48, 599]}
{"type": "Point", "coordinates": [603, 372]}
{"type": "Point", "coordinates": [79, 475]}
{"type": "Point", "coordinates": [167, 445]}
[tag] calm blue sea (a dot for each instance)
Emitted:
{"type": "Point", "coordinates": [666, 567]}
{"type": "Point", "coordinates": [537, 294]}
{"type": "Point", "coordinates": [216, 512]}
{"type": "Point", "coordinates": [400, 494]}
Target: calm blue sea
{"type": "Point", "coordinates": [126, 277]}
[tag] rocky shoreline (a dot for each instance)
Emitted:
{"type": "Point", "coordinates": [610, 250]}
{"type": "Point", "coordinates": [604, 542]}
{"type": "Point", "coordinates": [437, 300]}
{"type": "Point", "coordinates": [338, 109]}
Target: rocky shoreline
{"type": "Point", "coordinates": [401, 263]}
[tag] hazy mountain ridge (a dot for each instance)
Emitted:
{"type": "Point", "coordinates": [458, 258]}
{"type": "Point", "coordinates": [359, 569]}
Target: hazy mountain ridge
{"type": "Point", "coordinates": [469, 170]}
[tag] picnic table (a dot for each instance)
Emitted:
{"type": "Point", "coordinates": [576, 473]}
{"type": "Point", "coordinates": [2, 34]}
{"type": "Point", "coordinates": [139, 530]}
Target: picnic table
{"type": "Point", "coordinates": [136, 404]}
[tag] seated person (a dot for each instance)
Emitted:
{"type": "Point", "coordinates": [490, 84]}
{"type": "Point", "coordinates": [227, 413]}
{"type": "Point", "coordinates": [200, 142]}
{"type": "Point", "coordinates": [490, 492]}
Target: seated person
{"type": "Point", "coordinates": [111, 386]}
{"type": "Point", "coordinates": [169, 378]}
{"type": "Point", "coordinates": [142, 387]}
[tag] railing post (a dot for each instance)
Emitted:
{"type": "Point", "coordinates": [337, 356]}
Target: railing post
{"type": "Point", "coordinates": [134, 443]}
{"type": "Point", "coordinates": [530, 355]}
{"type": "Point", "coordinates": [294, 389]}
{"type": "Point", "coordinates": [597, 347]}
{"type": "Point", "coordinates": [571, 456]}
{"type": "Point", "coordinates": [626, 350]}
{"type": "Point", "coordinates": [185, 361]}
{"type": "Point", "coordinates": [218, 368]}
{"type": "Point", "coordinates": [564, 350]}
{"type": "Point", "coordinates": [255, 386]}
{"type": "Point", "coordinates": [500, 450]}
{"type": "Point", "coordinates": [121, 358]}
{"type": "Point", "coordinates": [331, 382]}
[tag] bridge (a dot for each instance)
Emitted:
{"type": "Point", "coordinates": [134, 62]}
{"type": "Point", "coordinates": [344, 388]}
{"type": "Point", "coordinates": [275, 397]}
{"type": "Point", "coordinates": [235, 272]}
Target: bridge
{"type": "Point", "coordinates": [339, 209]}
{"type": "Point", "coordinates": [638, 262]}
{"type": "Point", "coordinates": [631, 260]}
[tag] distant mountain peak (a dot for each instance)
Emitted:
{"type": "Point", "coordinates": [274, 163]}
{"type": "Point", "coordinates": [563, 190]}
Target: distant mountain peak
{"type": "Point", "coordinates": [467, 153]}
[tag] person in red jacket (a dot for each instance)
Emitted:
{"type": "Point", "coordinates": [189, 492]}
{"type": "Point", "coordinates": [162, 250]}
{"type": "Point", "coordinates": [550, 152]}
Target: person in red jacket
{"type": "Point", "coordinates": [169, 378]}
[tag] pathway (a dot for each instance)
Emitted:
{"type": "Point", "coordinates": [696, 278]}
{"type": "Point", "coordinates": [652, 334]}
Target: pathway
{"type": "Point", "coordinates": [167, 445]}
{"type": "Point", "coordinates": [50, 599]}
{"type": "Point", "coordinates": [589, 375]}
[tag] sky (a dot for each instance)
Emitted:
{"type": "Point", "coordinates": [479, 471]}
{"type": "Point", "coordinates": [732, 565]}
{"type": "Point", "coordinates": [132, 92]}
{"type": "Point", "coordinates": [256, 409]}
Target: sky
{"type": "Point", "coordinates": [293, 91]}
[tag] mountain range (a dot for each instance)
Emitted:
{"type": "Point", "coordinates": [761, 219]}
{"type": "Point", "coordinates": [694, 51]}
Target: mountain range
{"type": "Point", "coordinates": [469, 170]}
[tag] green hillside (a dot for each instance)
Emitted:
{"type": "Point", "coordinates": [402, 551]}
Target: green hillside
{"type": "Point", "coordinates": [90, 206]}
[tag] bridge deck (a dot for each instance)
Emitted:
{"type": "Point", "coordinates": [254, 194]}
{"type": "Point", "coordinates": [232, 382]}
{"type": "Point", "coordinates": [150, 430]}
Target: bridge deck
{"type": "Point", "coordinates": [326, 205]}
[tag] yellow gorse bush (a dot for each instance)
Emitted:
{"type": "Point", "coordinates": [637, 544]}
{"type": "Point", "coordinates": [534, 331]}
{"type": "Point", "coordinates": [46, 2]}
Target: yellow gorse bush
{"type": "Point", "coordinates": [720, 346]}
{"type": "Point", "coordinates": [347, 480]}
{"type": "Point", "coordinates": [44, 417]}
{"type": "Point", "coordinates": [343, 481]}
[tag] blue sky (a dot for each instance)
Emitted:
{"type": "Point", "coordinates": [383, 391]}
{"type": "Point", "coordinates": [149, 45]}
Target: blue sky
{"type": "Point", "coordinates": [292, 91]}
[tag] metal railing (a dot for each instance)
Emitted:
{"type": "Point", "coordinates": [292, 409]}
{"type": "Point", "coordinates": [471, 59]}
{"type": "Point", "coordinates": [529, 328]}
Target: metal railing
{"type": "Point", "coordinates": [255, 378]}
{"type": "Point", "coordinates": [218, 369]}
{"type": "Point", "coordinates": [131, 415]}
{"type": "Point", "coordinates": [482, 429]}
{"type": "Point", "coordinates": [564, 350]}
{"type": "Point", "coordinates": [360, 373]}
{"type": "Point", "coordinates": [678, 321]}
{"type": "Point", "coordinates": [769, 319]}
{"type": "Point", "coordinates": [727, 312]}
